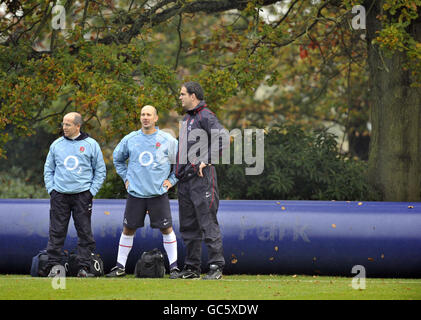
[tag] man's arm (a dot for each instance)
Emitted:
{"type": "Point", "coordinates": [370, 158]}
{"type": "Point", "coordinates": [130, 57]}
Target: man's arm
{"type": "Point", "coordinates": [216, 134]}
{"type": "Point", "coordinates": [120, 155]}
{"type": "Point", "coordinates": [99, 168]}
{"type": "Point", "coordinates": [49, 169]}
{"type": "Point", "coordinates": [172, 155]}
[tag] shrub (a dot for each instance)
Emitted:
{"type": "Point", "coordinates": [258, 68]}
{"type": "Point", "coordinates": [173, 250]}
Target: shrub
{"type": "Point", "coordinates": [298, 166]}
{"type": "Point", "coordinates": [15, 183]}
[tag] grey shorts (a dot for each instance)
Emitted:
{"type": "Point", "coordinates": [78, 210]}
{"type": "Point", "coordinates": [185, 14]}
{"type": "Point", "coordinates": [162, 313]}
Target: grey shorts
{"type": "Point", "coordinates": [158, 209]}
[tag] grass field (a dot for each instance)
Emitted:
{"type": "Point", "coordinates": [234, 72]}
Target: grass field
{"type": "Point", "coordinates": [233, 287]}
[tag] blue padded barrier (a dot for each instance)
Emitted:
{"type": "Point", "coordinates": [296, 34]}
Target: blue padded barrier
{"type": "Point", "coordinates": [260, 237]}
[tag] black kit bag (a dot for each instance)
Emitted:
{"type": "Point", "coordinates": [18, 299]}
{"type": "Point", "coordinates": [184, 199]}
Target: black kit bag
{"type": "Point", "coordinates": [96, 266]}
{"type": "Point", "coordinates": [39, 263]}
{"type": "Point", "coordinates": [150, 265]}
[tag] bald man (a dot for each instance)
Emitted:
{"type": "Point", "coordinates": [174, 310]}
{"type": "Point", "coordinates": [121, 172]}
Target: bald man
{"type": "Point", "coordinates": [147, 176]}
{"type": "Point", "coordinates": [73, 173]}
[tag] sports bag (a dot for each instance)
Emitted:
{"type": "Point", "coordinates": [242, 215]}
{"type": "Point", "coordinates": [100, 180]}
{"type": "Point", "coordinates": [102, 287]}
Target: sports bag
{"type": "Point", "coordinates": [40, 261]}
{"type": "Point", "coordinates": [96, 265]}
{"type": "Point", "coordinates": [150, 265]}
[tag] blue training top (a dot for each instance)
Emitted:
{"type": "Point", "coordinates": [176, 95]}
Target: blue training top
{"type": "Point", "coordinates": [150, 157]}
{"type": "Point", "coordinates": [74, 166]}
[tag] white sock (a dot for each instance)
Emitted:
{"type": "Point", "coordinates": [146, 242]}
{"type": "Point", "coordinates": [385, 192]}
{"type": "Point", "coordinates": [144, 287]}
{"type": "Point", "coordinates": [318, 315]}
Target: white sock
{"type": "Point", "coordinates": [170, 246]}
{"type": "Point", "coordinates": [125, 245]}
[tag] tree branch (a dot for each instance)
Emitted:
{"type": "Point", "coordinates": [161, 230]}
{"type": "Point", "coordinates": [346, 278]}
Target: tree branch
{"type": "Point", "coordinates": [157, 14]}
{"type": "Point", "coordinates": [85, 12]}
{"type": "Point", "coordinates": [180, 42]}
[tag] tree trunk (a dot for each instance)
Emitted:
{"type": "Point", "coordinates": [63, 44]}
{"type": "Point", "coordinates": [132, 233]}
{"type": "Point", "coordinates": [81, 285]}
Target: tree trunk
{"type": "Point", "coordinates": [395, 150]}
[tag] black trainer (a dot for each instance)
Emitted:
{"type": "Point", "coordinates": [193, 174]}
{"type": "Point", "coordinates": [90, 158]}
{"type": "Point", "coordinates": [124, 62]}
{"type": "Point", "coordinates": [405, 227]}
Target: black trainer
{"type": "Point", "coordinates": [215, 273]}
{"type": "Point", "coordinates": [188, 273]}
{"type": "Point", "coordinates": [116, 272]}
{"type": "Point", "coordinates": [174, 272]}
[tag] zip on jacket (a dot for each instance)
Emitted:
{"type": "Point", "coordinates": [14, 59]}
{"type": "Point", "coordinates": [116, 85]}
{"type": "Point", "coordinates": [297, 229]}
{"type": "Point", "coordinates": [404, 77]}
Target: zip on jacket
{"type": "Point", "coordinates": [199, 117]}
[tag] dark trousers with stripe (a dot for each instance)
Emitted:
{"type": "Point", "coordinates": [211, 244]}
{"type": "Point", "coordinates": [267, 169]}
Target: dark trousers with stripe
{"type": "Point", "coordinates": [62, 207]}
{"type": "Point", "coordinates": [198, 202]}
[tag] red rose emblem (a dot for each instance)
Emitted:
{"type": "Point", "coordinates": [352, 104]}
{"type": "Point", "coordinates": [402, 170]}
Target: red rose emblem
{"type": "Point", "coordinates": [158, 144]}
{"type": "Point", "coordinates": [82, 149]}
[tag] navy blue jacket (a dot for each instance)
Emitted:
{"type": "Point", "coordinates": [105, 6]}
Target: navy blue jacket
{"type": "Point", "coordinates": [188, 161]}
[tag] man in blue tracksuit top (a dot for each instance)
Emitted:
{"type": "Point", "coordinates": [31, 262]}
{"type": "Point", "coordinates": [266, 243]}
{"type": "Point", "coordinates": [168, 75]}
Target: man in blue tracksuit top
{"type": "Point", "coordinates": [147, 176]}
{"type": "Point", "coordinates": [73, 173]}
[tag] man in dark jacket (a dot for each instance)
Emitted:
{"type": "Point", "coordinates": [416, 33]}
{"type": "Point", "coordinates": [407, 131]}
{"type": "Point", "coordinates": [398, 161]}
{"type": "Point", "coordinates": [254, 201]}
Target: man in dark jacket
{"type": "Point", "coordinates": [198, 197]}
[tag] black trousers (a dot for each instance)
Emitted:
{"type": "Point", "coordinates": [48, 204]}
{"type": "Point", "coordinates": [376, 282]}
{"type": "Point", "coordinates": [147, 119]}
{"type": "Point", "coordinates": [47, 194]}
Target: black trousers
{"type": "Point", "coordinates": [62, 207]}
{"type": "Point", "coordinates": [198, 201]}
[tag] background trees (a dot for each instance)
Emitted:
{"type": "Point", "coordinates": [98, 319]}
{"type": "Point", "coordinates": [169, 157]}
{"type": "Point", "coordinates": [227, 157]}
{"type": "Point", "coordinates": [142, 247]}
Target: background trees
{"type": "Point", "coordinates": [394, 57]}
{"type": "Point", "coordinates": [262, 63]}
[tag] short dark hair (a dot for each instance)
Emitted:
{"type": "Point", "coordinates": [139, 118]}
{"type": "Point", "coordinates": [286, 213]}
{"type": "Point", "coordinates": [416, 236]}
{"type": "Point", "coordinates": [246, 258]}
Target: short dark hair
{"type": "Point", "coordinates": [194, 87]}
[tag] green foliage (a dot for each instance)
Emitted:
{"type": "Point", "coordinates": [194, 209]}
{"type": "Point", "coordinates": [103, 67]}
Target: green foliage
{"type": "Point", "coordinates": [298, 166]}
{"type": "Point", "coordinates": [113, 187]}
{"type": "Point", "coordinates": [28, 154]}
{"type": "Point", "coordinates": [398, 35]}
{"type": "Point", "coordinates": [15, 184]}
{"type": "Point", "coordinates": [118, 55]}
